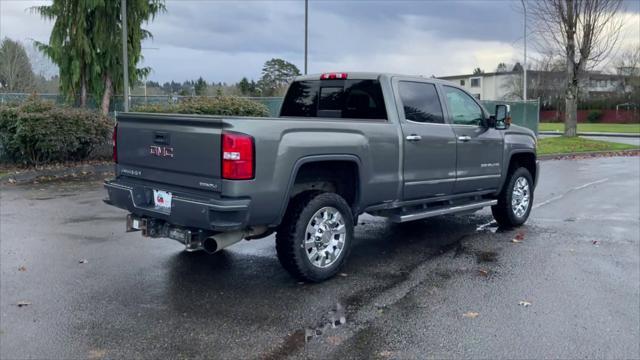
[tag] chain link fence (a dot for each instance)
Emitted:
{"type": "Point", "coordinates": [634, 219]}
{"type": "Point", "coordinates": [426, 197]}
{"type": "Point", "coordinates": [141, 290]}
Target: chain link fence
{"type": "Point", "coordinates": [523, 113]}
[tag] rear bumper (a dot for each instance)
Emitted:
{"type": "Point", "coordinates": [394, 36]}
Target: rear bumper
{"type": "Point", "coordinates": [187, 209]}
{"type": "Point", "coordinates": [535, 180]}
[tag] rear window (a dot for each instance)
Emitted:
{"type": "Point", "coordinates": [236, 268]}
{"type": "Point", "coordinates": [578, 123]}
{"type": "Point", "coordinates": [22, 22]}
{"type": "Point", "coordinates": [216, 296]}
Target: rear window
{"type": "Point", "coordinates": [347, 99]}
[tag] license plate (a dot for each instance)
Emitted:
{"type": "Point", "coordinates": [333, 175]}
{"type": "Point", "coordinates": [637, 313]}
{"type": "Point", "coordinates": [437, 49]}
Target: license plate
{"type": "Point", "coordinates": [162, 199]}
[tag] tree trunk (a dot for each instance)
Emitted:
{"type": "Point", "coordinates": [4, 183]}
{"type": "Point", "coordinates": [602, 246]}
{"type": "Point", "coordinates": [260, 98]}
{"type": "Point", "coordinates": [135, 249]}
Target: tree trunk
{"type": "Point", "coordinates": [571, 94]}
{"type": "Point", "coordinates": [571, 111]}
{"type": "Point", "coordinates": [83, 94]}
{"type": "Point", "coordinates": [106, 96]}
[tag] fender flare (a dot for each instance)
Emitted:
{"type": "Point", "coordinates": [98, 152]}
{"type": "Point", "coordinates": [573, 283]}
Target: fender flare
{"type": "Point", "coordinates": [505, 173]}
{"type": "Point", "coordinates": [318, 158]}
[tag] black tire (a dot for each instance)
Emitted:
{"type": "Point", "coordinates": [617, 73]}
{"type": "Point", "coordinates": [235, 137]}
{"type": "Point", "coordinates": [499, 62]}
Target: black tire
{"type": "Point", "coordinates": [292, 232]}
{"type": "Point", "coordinates": [503, 211]}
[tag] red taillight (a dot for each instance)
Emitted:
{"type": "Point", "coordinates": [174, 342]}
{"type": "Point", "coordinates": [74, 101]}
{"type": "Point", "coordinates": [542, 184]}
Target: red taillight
{"type": "Point", "coordinates": [333, 76]}
{"type": "Point", "coordinates": [115, 144]}
{"type": "Point", "coordinates": [237, 156]}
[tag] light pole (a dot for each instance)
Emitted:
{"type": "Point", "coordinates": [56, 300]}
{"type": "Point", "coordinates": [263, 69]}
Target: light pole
{"type": "Point", "coordinates": [306, 34]}
{"type": "Point", "coordinates": [125, 57]}
{"type": "Point", "coordinates": [145, 79]}
{"type": "Point", "coordinates": [524, 77]}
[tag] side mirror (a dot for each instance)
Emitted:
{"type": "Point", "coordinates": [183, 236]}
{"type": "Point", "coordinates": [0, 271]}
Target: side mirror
{"type": "Point", "coordinates": [503, 116]}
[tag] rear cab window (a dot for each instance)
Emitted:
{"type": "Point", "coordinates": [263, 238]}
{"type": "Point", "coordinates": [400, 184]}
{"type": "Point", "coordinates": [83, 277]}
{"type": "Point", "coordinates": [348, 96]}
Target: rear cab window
{"type": "Point", "coordinates": [335, 98]}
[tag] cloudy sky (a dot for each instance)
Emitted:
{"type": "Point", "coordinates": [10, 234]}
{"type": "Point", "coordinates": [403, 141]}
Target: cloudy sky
{"type": "Point", "coordinates": [226, 40]}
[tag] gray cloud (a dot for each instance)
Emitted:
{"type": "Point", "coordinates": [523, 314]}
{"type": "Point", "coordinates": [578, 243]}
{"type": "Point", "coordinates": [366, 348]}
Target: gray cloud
{"type": "Point", "coordinates": [226, 40]}
{"type": "Point", "coordinates": [251, 31]}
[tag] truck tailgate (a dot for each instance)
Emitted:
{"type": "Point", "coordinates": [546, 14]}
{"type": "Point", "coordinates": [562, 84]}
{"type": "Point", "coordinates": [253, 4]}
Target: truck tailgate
{"type": "Point", "coordinates": [174, 149]}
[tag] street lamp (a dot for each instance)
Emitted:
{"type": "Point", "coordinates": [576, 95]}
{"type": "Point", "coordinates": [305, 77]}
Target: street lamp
{"type": "Point", "coordinates": [125, 57]}
{"type": "Point", "coordinates": [524, 77]}
{"type": "Point", "coordinates": [306, 33]}
{"type": "Point", "coordinates": [145, 79]}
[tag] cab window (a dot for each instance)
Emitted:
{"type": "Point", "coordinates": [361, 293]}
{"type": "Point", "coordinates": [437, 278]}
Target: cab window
{"type": "Point", "coordinates": [420, 102]}
{"type": "Point", "coordinates": [464, 110]}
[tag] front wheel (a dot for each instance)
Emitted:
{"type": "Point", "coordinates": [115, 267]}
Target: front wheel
{"type": "Point", "coordinates": [315, 237]}
{"type": "Point", "coordinates": [515, 200]}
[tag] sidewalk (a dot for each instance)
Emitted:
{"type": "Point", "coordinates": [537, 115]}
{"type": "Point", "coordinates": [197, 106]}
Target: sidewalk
{"type": "Point", "coordinates": [607, 134]}
{"type": "Point", "coordinates": [630, 140]}
{"type": "Point", "coordinates": [56, 172]}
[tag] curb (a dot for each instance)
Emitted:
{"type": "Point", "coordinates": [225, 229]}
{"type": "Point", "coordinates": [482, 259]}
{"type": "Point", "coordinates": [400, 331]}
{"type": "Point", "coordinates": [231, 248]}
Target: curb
{"type": "Point", "coordinates": [630, 152]}
{"type": "Point", "coordinates": [31, 175]}
{"type": "Point", "coordinates": [624, 135]}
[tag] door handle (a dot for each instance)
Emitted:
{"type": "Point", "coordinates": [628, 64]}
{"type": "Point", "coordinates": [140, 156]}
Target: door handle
{"type": "Point", "coordinates": [464, 138]}
{"type": "Point", "coordinates": [414, 137]}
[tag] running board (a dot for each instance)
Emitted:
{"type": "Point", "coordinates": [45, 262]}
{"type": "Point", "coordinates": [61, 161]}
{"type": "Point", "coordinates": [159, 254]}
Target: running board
{"type": "Point", "coordinates": [399, 218]}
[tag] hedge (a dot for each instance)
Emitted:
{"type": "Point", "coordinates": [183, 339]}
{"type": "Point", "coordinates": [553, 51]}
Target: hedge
{"type": "Point", "coordinates": [218, 105]}
{"type": "Point", "coordinates": [37, 132]}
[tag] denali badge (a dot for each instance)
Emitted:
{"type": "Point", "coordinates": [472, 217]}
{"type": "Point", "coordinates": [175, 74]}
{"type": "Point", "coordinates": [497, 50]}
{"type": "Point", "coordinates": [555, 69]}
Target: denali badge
{"type": "Point", "coordinates": [162, 151]}
{"type": "Point", "coordinates": [131, 172]}
{"type": "Point", "coordinates": [208, 185]}
{"type": "Point", "coordinates": [489, 165]}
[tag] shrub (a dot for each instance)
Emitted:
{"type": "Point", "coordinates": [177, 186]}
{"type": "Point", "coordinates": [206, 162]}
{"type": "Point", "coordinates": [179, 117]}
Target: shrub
{"type": "Point", "coordinates": [218, 105]}
{"type": "Point", "coordinates": [38, 132]}
{"type": "Point", "coordinates": [594, 116]}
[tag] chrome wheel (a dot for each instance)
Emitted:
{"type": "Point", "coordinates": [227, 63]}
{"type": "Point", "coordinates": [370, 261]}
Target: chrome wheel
{"type": "Point", "coordinates": [325, 237]}
{"type": "Point", "coordinates": [520, 197]}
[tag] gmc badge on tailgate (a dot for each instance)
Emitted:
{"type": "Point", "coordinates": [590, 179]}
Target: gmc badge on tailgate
{"type": "Point", "coordinates": [161, 151]}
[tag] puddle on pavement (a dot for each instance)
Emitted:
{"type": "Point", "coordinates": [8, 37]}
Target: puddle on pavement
{"type": "Point", "coordinates": [486, 256]}
{"type": "Point", "coordinates": [366, 343]}
{"type": "Point", "coordinates": [360, 298]}
{"type": "Point", "coordinates": [294, 342]}
{"type": "Point", "coordinates": [291, 345]}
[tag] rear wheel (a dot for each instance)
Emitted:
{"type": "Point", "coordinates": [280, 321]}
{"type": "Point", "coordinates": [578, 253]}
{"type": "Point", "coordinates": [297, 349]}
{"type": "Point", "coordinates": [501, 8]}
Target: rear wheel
{"type": "Point", "coordinates": [315, 237]}
{"type": "Point", "coordinates": [515, 200]}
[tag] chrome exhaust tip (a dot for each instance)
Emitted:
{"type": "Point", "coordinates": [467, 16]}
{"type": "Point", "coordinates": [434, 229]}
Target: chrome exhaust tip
{"type": "Point", "coordinates": [210, 245]}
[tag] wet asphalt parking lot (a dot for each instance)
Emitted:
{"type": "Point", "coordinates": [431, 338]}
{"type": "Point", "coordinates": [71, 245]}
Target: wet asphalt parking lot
{"type": "Point", "coordinates": [445, 287]}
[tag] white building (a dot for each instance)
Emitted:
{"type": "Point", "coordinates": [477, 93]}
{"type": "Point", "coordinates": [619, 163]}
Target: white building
{"type": "Point", "coordinates": [507, 85]}
{"type": "Point", "coordinates": [486, 86]}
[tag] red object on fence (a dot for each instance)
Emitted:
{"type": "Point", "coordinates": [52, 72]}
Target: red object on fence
{"type": "Point", "coordinates": [608, 116]}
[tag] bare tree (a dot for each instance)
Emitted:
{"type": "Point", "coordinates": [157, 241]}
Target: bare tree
{"type": "Point", "coordinates": [584, 32]}
{"type": "Point", "coordinates": [544, 80]}
{"type": "Point", "coordinates": [628, 61]}
{"type": "Point", "coordinates": [16, 74]}
{"type": "Point", "coordinates": [627, 66]}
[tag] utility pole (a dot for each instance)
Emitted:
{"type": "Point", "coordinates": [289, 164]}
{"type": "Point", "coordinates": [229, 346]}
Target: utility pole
{"type": "Point", "coordinates": [125, 57]}
{"type": "Point", "coordinates": [524, 77]}
{"type": "Point", "coordinates": [306, 34]}
{"type": "Point", "coordinates": [145, 79]}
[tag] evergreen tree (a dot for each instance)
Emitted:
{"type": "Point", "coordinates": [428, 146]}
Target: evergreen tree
{"type": "Point", "coordinates": [200, 87]}
{"type": "Point", "coordinates": [86, 44]}
{"type": "Point", "coordinates": [276, 75]}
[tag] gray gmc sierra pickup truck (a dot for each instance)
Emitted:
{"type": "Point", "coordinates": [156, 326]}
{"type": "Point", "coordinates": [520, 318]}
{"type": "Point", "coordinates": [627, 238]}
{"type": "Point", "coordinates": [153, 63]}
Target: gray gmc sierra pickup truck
{"type": "Point", "coordinates": [401, 147]}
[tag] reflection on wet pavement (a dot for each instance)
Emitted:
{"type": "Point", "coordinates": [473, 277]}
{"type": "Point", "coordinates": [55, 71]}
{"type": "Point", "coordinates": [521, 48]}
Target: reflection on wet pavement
{"type": "Point", "coordinates": [402, 294]}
